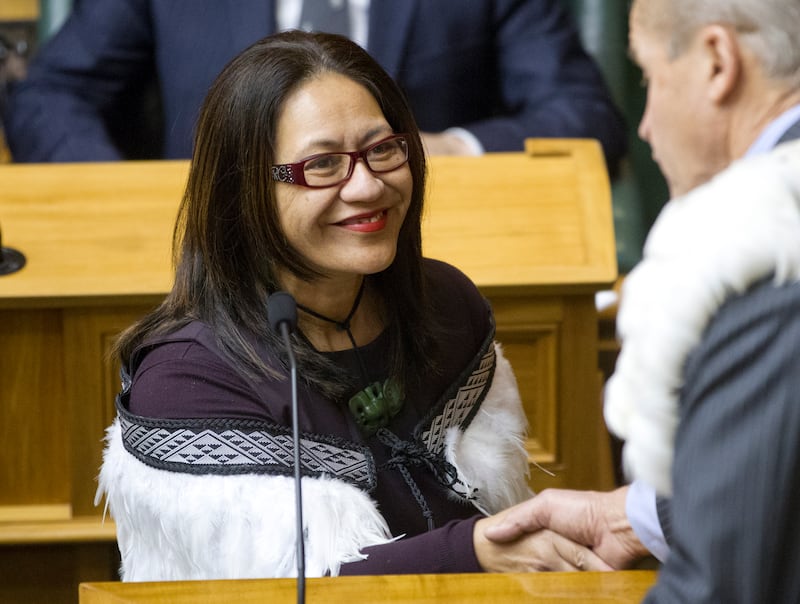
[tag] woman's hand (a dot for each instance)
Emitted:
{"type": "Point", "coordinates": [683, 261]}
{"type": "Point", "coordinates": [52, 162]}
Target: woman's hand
{"type": "Point", "coordinates": [595, 519]}
{"type": "Point", "coordinates": [542, 550]}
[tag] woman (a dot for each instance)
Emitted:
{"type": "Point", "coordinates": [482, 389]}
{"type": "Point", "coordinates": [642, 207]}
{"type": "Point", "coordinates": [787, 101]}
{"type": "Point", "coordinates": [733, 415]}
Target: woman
{"type": "Point", "coordinates": [308, 176]}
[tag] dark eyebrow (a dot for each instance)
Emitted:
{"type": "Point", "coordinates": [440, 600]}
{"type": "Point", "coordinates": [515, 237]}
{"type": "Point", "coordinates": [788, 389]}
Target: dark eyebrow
{"type": "Point", "coordinates": [328, 144]}
{"type": "Point", "coordinates": [382, 130]}
{"type": "Point", "coordinates": [333, 146]}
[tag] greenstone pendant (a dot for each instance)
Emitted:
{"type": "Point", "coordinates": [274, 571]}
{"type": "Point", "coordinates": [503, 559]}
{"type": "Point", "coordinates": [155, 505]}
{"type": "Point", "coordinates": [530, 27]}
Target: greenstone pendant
{"type": "Point", "coordinates": [376, 405]}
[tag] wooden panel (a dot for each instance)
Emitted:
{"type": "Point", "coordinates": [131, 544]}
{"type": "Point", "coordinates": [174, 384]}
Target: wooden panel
{"type": "Point", "coordinates": [48, 512]}
{"type": "Point", "coordinates": [57, 387]}
{"type": "Point", "coordinates": [551, 343]}
{"type": "Point", "coordinates": [585, 447]}
{"type": "Point", "coordinates": [105, 240]}
{"type": "Point", "coordinates": [511, 221]}
{"type": "Point", "coordinates": [532, 351]}
{"type": "Point", "coordinates": [76, 529]}
{"type": "Point", "coordinates": [50, 574]}
{"type": "Point", "coordinates": [92, 382]}
{"type": "Point", "coordinates": [530, 332]}
{"type": "Point", "coordinates": [621, 587]}
{"type": "Point", "coordinates": [524, 221]}
{"type": "Point", "coordinates": [33, 410]}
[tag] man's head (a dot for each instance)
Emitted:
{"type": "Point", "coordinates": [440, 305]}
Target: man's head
{"type": "Point", "coordinates": [718, 72]}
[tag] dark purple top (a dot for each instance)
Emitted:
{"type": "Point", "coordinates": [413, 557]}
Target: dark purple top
{"type": "Point", "coordinates": [189, 378]}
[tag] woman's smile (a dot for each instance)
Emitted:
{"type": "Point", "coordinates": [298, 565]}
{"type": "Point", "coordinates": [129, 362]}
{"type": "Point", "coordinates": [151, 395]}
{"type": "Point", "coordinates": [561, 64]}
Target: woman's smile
{"type": "Point", "coordinates": [366, 223]}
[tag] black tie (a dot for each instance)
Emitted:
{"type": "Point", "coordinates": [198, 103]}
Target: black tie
{"type": "Point", "coordinates": [325, 15]}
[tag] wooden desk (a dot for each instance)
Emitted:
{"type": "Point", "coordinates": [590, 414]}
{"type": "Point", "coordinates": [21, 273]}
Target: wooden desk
{"type": "Point", "coordinates": [533, 230]}
{"type": "Point", "coordinates": [19, 10]}
{"type": "Point", "coordinates": [624, 587]}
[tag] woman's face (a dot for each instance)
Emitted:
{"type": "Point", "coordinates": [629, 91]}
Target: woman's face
{"type": "Point", "coordinates": [350, 228]}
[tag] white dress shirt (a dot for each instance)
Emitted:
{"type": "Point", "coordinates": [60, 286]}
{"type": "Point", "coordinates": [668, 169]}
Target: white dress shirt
{"type": "Point", "coordinates": [288, 17]}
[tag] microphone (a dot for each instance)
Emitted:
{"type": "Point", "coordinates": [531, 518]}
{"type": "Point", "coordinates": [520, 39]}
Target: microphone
{"type": "Point", "coordinates": [282, 316]}
{"type": "Point", "coordinates": [11, 260]}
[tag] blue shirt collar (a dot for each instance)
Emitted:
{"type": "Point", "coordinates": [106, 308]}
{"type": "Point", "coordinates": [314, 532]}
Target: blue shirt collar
{"type": "Point", "coordinates": [770, 136]}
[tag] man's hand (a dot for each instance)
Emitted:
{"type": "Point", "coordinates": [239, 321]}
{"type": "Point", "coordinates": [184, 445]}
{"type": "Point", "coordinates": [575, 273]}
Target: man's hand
{"type": "Point", "coordinates": [532, 552]}
{"type": "Point", "coordinates": [442, 143]}
{"type": "Point", "coordinates": [594, 519]}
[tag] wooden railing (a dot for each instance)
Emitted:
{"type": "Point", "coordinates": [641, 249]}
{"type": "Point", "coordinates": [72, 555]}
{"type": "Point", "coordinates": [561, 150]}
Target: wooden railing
{"type": "Point", "coordinates": [623, 587]}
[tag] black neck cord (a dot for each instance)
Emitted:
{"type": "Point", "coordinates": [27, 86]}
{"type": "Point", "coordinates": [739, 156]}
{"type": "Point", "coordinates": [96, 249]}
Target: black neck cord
{"type": "Point", "coordinates": [344, 326]}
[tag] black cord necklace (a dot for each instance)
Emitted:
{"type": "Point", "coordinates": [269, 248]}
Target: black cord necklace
{"type": "Point", "coordinates": [375, 405]}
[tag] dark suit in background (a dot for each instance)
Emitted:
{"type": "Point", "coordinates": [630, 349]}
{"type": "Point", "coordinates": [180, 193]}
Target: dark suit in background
{"type": "Point", "coordinates": [503, 69]}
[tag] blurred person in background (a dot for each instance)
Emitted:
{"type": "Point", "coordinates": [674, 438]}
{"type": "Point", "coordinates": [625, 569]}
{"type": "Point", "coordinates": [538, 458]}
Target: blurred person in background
{"type": "Point", "coordinates": [482, 75]}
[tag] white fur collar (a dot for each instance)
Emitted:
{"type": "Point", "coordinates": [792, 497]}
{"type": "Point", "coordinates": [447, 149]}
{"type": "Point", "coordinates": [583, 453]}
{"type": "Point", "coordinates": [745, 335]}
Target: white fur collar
{"type": "Point", "coordinates": [706, 246]}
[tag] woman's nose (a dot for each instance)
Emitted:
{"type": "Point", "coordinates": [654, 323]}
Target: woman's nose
{"type": "Point", "coordinates": [363, 185]}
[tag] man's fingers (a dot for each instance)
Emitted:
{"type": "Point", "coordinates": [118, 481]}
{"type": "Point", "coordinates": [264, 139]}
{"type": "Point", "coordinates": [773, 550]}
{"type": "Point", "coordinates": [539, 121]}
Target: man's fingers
{"type": "Point", "coordinates": [552, 552]}
{"type": "Point", "coordinates": [586, 559]}
{"type": "Point", "coordinates": [578, 557]}
{"type": "Point", "coordinates": [510, 529]}
{"type": "Point", "coordinates": [517, 521]}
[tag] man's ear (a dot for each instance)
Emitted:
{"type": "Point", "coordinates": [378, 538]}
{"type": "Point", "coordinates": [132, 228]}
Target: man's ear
{"type": "Point", "coordinates": [724, 60]}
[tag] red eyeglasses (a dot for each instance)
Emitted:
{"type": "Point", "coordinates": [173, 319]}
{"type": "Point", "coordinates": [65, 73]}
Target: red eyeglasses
{"type": "Point", "coordinates": [330, 169]}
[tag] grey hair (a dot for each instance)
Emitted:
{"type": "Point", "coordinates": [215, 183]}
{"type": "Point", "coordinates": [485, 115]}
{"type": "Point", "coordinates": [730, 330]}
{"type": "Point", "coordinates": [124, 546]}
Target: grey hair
{"type": "Point", "coordinates": [770, 29]}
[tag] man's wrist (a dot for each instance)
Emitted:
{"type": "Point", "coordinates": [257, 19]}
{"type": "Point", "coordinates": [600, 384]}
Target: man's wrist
{"type": "Point", "coordinates": [640, 507]}
{"type": "Point", "coordinates": [449, 142]}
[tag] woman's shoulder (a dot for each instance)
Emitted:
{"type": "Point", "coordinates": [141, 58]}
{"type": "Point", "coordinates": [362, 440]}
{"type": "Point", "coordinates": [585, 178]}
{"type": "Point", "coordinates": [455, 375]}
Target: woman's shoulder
{"type": "Point", "coordinates": [185, 374]}
{"type": "Point", "coordinates": [455, 298]}
{"type": "Point", "coordinates": [190, 345]}
{"type": "Point", "coordinates": [445, 282]}
{"type": "Point", "coordinates": [438, 271]}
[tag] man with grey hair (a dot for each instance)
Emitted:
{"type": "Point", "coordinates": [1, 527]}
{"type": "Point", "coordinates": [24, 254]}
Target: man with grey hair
{"type": "Point", "coordinates": [706, 392]}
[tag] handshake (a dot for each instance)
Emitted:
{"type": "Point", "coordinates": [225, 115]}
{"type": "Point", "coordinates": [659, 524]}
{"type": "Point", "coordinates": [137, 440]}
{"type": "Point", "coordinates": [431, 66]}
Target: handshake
{"type": "Point", "coordinates": [560, 530]}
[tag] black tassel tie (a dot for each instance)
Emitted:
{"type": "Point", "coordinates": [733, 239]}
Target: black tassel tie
{"type": "Point", "coordinates": [406, 453]}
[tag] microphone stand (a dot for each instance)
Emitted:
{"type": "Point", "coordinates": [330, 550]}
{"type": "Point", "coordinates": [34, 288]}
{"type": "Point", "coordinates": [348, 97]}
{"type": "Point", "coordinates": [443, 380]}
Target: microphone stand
{"type": "Point", "coordinates": [298, 495]}
{"type": "Point", "coordinates": [282, 315]}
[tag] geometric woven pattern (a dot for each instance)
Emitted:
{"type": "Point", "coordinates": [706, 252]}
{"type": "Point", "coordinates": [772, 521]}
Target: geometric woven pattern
{"type": "Point", "coordinates": [228, 449]}
{"type": "Point", "coordinates": [459, 409]}
{"type": "Point", "coordinates": [236, 446]}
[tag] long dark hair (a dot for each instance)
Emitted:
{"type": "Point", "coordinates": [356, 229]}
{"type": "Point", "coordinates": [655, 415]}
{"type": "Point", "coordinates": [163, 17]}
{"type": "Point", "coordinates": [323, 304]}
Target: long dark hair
{"type": "Point", "coordinates": [228, 244]}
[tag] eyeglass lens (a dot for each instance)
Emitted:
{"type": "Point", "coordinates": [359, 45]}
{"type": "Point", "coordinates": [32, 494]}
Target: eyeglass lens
{"type": "Point", "coordinates": [332, 168]}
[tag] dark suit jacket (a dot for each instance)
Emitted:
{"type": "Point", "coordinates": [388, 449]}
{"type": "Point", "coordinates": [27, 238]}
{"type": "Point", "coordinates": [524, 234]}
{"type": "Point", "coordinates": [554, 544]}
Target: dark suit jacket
{"type": "Point", "coordinates": [504, 69]}
{"type": "Point", "coordinates": [735, 510]}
